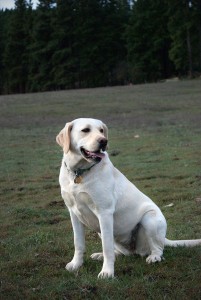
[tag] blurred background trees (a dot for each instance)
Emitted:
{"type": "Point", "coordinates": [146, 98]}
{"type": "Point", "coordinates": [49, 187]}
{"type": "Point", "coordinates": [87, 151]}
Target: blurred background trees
{"type": "Point", "coordinates": [67, 44]}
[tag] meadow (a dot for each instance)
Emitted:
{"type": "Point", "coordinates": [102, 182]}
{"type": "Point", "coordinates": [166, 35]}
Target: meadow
{"type": "Point", "coordinates": [154, 139]}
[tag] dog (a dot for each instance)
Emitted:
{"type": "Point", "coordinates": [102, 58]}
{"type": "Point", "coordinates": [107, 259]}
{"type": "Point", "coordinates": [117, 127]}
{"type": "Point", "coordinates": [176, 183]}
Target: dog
{"type": "Point", "coordinates": [100, 197]}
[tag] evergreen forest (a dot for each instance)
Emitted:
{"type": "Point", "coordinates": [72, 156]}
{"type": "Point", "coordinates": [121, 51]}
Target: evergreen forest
{"type": "Point", "coordinates": [68, 44]}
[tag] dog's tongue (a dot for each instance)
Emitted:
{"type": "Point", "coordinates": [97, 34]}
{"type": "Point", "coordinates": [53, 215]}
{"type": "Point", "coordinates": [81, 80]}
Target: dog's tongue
{"type": "Point", "coordinates": [95, 154]}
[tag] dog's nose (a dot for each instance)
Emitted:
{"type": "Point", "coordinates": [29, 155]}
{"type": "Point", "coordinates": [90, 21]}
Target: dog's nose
{"type": "Point", "coordinates": [103, 142]}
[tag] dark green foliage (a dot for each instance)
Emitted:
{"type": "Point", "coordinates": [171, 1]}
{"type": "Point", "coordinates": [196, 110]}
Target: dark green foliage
{"type": "Point", "coordinates": [149, 41]}
{"type": "Point", "coordinates": [41, 48]}
{"type": "Point", "coordinates": [66, 44]}
{"type": "Point", "coordinates": [185, 32]}
{"type": "Point", "coordinates": [3, 21]}
{"type": "Point", "coordinates": [64, 62]}
{"type": "Point", "coordinates": [15, 51]}
{"type": "Point", "coordinates": [88, 49]}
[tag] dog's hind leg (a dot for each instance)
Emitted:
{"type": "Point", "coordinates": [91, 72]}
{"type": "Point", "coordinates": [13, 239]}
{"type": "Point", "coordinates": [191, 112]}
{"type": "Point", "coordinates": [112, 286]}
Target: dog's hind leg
{"type": "Point", "coordinates": [155, 226]}
{"type": "Point", "coordinates": [98, 255]}
{"type": "Point", "coordinates": [119, 249]}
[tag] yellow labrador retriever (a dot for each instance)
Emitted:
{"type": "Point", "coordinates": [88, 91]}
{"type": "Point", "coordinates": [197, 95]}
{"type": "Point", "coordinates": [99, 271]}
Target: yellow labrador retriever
{"type": "Point", "coordinates": [102, 198]}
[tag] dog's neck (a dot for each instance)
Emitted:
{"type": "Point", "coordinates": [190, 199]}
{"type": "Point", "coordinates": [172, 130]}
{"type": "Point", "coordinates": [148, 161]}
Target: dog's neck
{"type": "Point", "coordinates": [78, 173]}
{"type": "Point", "coordinates": [76, 164]}
{"type": "Point", "coordinates": [77, 170]}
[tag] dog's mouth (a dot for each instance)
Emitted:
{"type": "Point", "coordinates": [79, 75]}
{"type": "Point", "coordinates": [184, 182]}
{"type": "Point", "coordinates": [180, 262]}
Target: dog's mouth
{"type": "Point", "coordinates": [93, 155]}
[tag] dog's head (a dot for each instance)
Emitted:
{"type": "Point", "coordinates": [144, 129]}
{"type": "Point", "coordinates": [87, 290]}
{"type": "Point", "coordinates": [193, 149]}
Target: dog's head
{"type": "Point", "coordinates": [85, 137]}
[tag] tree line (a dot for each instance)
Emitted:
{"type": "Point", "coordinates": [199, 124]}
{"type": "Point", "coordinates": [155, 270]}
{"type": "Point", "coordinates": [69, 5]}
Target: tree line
{"type": "Point", "coordinates": [68, 44]}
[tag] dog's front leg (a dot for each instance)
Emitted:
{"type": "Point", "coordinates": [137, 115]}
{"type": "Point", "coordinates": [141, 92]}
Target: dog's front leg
{"type": "Point", "coordinates": [79, 243]}
{"type": "Point", "coordinates": [106, 226]}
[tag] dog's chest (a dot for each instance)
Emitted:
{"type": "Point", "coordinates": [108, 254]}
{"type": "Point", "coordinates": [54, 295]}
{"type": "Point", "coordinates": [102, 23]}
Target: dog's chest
{"type": "Point", "coordinates": [83, 207]}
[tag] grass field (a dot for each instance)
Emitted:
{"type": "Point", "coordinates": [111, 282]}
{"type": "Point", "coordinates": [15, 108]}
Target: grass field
{"type": "Point", "coordinates": [155, 140]}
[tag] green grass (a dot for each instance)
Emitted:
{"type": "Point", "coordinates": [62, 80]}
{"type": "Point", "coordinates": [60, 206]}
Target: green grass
{"type": "Point", "coordinates": [164, 162]}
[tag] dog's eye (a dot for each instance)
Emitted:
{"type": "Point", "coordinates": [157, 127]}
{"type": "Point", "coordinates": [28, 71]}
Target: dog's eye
{"type": "Point", "coordinates": [86, 130]}
{"type": "Point", "coordinates": [101, 130]}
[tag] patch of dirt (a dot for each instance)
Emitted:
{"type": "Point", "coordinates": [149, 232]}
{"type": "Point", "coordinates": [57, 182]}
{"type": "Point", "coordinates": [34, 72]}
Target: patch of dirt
{"type": "Point", "coordinates": [55, 221]}
{"type": "Point", "coordinates": [56, 203]}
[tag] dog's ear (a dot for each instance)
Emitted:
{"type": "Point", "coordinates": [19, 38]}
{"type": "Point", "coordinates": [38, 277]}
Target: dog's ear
{"type": "Point", "coordinates": [63, 138]}
{"type": "Point", "coordinates": [105, 131]}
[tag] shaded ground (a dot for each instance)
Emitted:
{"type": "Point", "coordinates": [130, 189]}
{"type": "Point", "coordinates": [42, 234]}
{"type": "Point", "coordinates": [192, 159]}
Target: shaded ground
{"type": "Point", "coordinates": [151, 105]}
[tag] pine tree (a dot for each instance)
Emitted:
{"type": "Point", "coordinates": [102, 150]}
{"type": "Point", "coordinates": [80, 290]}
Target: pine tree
{"type": "Point", "coordinates": [100, 44]}
{"type": "Point", "coordinates": [41, 48]}
{"type": "Point", "coordinates": [185, 32]}
{"type": "Point", "coordinates": [115, 18]}
{"type": "Point", "coordinates": [15, 55]}
{"type": "Point", "coordinates": [197, 8]}
{"type": "Point", "coordinates": [64, 60]}
{"type": "Point", "coordinates": [148, 41]}
{"type": "Point", "coordinates": [3, 40]}
{"type": "Point", "coordinates": [88, 20]}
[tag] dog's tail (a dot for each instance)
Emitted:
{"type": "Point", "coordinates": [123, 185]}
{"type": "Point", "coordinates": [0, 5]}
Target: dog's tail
{"type": "Point", "coordinates": [185, 243]}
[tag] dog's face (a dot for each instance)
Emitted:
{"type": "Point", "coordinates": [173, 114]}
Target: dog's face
{"type": "Point", "coordinates": [85, 137]}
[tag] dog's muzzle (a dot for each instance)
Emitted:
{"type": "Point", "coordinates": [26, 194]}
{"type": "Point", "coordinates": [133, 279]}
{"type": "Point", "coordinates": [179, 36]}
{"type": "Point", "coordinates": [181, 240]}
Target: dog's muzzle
{"type": "Point", "coordinates": [97, 155]}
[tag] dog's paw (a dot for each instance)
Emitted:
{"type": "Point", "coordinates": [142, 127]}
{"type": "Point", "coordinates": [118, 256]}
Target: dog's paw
{"type": "Point", "coordinates": [97, 256]}
{"type": "Point", "coordinates": [153, 258]}
{"type": "Point", "coordinates": [73, 266]}
{"type": "Point", "coordinates": [106, 273]}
